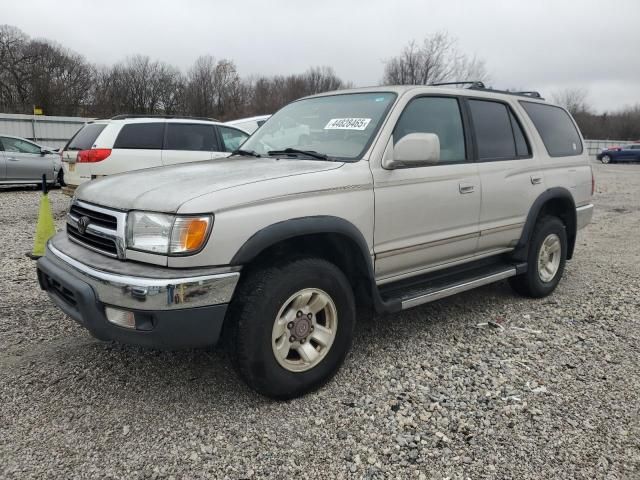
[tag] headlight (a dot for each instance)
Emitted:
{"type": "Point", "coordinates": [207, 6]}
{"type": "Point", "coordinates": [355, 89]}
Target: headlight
{"type": "Point", "coordinates": [167, 234]}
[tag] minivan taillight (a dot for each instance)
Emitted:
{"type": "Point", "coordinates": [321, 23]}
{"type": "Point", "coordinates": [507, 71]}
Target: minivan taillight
{"type": "Point", "coordinates": [93, 155]}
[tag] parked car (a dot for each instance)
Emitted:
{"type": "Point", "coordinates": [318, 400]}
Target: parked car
{"type": "Point", "coordinates": [624, 153]}
{"type": "Point", "coordinates": [131, 142]}
{"type": "Point", "coordinates": [23, 161]}
{"type": "Point", "coordinates": [249, 124]}
{"type": "Point", "coordinates": [390, 197]}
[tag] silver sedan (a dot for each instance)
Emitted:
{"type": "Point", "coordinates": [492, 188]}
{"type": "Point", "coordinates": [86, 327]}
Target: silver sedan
{"type": "Point", "coordinates": [23, 161]}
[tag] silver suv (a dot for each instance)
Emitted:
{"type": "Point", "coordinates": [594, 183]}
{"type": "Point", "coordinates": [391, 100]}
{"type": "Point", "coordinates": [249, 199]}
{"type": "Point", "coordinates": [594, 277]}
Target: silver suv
{"type": "Point", "coordinates": [388, 197]}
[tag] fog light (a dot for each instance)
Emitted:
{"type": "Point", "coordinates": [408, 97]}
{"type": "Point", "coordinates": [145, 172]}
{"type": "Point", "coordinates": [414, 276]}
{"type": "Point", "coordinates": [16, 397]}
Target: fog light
{"type": "Point", "coordinates": [122, 318]}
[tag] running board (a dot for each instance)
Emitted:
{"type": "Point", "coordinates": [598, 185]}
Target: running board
{"type": "Point", "coordinates": [437, 294]}
{"type": "Point", "coordinates": [433, 286]}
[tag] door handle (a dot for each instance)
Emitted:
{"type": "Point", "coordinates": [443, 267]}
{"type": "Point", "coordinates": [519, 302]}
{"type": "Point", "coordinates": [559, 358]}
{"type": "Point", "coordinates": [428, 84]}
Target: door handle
{"type": "Point", "coordinates": [466, 188]}
{"type": "Point", "coordinates": [535, 180]}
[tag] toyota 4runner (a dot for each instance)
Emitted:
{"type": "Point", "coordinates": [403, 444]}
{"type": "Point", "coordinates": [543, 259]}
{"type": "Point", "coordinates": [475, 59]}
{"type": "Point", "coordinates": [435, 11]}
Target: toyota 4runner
{"type": "Point", "coordinates": [388, 197]}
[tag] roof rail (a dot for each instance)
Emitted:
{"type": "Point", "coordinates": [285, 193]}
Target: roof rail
{"type": "Point", "coordinates": [472, 84]}
{"type": "Point", "coordinates": [478, 85]}
{"type": "Point", "coordinates": [529, 93]}
{"type": "Point", "coordinates": [179, 117]}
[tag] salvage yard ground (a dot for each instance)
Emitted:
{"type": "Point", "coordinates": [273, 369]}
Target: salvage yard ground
{"type": "Point", "coordinates": [480, 385]}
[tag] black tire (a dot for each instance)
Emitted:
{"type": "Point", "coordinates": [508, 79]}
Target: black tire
{"type": "Point", "coordinates": [606, 159]}
{"type": "Point", "coordinates": [61, 178]}
{"type": "Point", "coordinates": [253, 311]}
{"type": "Point", "coordinates": [530, 283]}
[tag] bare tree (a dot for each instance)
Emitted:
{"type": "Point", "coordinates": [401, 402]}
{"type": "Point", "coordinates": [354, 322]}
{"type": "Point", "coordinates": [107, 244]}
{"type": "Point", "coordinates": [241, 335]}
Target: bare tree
{"type": "Point", "coordinates": [573, 99]}
{"type": "Point", "coordinates": [437, 59]}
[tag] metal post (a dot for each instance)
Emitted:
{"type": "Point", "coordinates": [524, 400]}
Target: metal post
{"type": "Point", "coordinates": [44, 183]}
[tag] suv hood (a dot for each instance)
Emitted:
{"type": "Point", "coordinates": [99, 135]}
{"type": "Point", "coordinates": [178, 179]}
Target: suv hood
{"type": "Point", "coordinates": [165, 189]}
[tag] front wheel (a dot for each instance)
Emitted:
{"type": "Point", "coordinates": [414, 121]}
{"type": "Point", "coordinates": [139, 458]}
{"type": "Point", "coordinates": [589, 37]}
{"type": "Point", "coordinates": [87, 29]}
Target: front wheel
{"type": "Point", "coordinates": [545, 261]}
{"type": "Point", "coordinates": [292, 326]}
{"type": "Point", "coordinates": [606, 159]}
{"type": "Point", "coordinates": [61, 178]}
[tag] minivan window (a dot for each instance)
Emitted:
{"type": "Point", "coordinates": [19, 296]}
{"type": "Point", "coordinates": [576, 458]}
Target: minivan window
{"type": "Point", "coordinates": [494, 134]}
{"type": "Point", "coordinates": [147, 136]}
{"type": "Point", "coordinates": [559, 134]}
{"type": "Point", "coordinates": [439, 115]}
{"type": "Point", "coordinates": [86, 136]}
{"type": "Point", "coordinates": [194, 137]}
{"type": "Point", "coordinates": [232, 138]}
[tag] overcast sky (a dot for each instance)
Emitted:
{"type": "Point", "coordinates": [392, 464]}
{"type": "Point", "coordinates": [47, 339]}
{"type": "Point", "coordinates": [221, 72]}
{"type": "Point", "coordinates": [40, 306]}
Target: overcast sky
{"type": "Point", "coordinates": [534, 44]}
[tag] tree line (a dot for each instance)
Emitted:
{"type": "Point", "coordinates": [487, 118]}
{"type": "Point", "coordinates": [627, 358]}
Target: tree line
{"type": "Point", "coordinates": [41, 73]}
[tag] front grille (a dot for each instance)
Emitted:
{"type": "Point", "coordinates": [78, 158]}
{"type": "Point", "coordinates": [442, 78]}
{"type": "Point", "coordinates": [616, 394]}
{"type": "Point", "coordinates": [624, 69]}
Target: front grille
{"type": "Point", "coordinates": [102, 230]}
{"type": "Point", "coordinates": [97, 218]}
{"type": "Point", "coordinates": [95, 242]}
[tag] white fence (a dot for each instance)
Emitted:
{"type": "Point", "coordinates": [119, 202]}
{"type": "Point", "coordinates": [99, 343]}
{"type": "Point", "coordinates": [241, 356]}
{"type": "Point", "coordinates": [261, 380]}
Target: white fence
{"type": "Point", "coordinates": [46, 130]}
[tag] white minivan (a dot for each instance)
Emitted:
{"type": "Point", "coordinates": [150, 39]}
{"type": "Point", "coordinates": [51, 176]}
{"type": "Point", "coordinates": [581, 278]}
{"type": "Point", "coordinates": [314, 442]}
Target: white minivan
{"type": "Point", "coordinates": [130, 142]}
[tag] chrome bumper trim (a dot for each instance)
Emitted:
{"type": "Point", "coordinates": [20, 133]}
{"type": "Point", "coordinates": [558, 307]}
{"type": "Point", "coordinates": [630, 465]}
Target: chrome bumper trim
{"type": "Point", "coordinates": [584, 215]}
{"type": "Point", "coordinates": [144, 293]}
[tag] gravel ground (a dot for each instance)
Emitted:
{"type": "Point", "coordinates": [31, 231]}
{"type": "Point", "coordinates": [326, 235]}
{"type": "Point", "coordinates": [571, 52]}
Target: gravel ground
{"type": "Point", "coordinates": [553, 392]}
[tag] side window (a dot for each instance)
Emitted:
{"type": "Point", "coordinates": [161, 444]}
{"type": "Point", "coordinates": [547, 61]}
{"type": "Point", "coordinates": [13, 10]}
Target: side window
{"type": "Point", "coordinates": [232, 138]}
{"type": "Point", "coordinates": [554, 124]}
{"type": "Point", "coordinates": [19, 146]}
{"type": "Point", "coordinates": [194, 137]}
{"type": "Point", "coordinates": [522, 147]}
{"type": "Point", "coordinates": [437, 115]}
{"type": "Point", "coordinates": [146, 136]}
{"type": "Point", "coordinates": [492, 122]}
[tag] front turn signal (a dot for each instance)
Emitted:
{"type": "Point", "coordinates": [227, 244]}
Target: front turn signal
{"type": "Point", "coordinates": [189, 234]}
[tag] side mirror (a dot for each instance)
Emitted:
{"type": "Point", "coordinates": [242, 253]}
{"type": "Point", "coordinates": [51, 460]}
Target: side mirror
{"type": "Point", "coordinates": [44, 151]}
{"type": "Point", "coordinates": [413, 150]}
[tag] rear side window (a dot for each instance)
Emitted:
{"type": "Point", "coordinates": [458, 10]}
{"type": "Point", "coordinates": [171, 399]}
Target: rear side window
{"type": "Point", "coordinates": [556, 128]}
{"type": "Point", "coordinates": [232, 138]}
{"type": "Point", "coordinates": [437, 115]}
{"type": "Point", "coordinates": [86, 136]}
{"type": "Point", "coordinates": [193, 137]}
{"type": "Point", "coordinates": [498, 133]}
{"type": "Point", "coordinates": [147, 136]}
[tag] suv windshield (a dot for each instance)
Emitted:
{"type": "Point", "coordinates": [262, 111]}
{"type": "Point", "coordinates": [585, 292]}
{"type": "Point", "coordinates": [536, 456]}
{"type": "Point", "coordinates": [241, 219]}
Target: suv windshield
{"type": "Point", "coordinates": [339, 126]}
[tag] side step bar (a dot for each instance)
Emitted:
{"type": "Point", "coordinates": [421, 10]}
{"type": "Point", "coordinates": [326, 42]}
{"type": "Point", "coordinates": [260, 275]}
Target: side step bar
{"type": "Point", "coordinates": [436, 294]}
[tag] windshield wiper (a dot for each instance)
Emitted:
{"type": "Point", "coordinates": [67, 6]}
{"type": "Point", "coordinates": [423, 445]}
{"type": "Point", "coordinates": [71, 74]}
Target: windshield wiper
{"type": "Point", "coordinates": [249, 153]}
{"type": "Point", "coordinates": [294, 151]}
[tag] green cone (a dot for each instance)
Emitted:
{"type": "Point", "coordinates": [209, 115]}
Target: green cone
{"type": "Point", "coordinates": [45, 229]}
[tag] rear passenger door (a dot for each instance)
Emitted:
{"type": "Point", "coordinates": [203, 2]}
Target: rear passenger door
{"type": "Point", "coordinates": [25, 161]}
{"type": "Point", "coordinates": [510, 176]}
{"type": "Point", "coordinates": [231, 138]}
{"type": "Point", "coordinates": [189, 142]}
{"type": "Point", "coordinates": [138, 145]}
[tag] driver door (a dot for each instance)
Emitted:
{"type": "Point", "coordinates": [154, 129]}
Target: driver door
{"type": "Point", "coordinates": [426, 217]}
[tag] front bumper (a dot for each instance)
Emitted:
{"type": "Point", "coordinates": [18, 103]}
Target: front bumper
{"type": "Point", "coordinates": [174, 312]}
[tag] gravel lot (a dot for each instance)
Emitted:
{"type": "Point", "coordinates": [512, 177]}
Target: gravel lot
{"type": "Point", "coordinates": [552, 393]}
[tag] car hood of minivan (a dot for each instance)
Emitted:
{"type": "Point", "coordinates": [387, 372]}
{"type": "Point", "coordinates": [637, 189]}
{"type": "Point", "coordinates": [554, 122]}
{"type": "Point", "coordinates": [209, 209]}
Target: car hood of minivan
{"type": "Point", "coordinates": [165, 189]}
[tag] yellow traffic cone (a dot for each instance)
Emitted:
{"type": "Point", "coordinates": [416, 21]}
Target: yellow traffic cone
{"type": "Point", "coordinates": [45, 228]}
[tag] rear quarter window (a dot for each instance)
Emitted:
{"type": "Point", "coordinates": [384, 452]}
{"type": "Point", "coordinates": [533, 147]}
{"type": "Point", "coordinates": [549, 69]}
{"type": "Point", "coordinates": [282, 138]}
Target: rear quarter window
{"type": "Point", "coordinates": [145, 136]}
{"type": "Point", "coordinates": [557, 130]}
{"type": "Point", "coordinates": [86, 136]}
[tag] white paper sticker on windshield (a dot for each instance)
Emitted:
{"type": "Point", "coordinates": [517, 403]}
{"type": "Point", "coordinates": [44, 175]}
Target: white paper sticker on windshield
{"type": "Point", "coordinates": [347, 124]}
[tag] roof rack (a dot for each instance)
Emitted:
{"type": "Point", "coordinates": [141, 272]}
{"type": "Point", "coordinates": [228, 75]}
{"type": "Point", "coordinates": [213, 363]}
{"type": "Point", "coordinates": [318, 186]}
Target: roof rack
{"type": "Point", "coordinates": [478, 85]}
{"type": "Point", "coordinates": [179, 117]}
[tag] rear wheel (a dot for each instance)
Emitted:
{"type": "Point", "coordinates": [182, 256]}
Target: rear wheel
{"type": "Point", "coordinates": [292, 326]}
{"type": "Point", "coordinates": [545, 261]}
